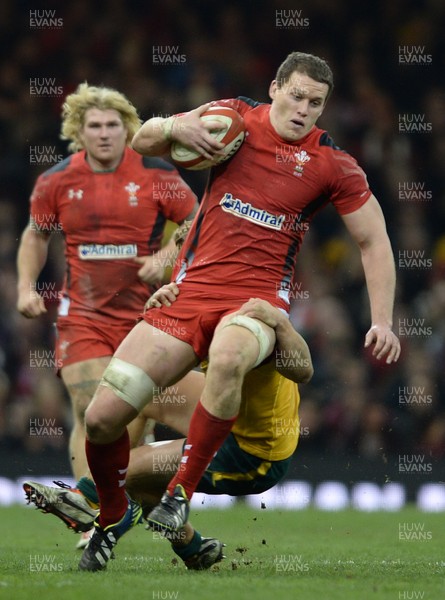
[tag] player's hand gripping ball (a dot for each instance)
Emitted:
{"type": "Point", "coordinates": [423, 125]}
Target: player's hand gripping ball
{"type": "Point", "coordinates": [231, 134]}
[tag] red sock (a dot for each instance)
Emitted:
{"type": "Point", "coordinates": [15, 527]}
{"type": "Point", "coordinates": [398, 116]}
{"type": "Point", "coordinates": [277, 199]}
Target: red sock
{"type": "Point", "coordinates": [205, 437]}
{"type": "Point", "coordinates": [108, 464]}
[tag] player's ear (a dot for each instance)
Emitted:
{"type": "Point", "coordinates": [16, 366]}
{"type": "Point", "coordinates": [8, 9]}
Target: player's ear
{"type": "Point", "coordinates": [273, 89]}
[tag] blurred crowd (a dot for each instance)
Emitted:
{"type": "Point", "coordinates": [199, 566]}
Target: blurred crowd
{"type": "Point", "coordinates": [388, 60]}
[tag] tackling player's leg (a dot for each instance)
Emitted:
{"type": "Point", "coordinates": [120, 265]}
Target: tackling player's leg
{"type": "Point", "coordinates": [238, 345]}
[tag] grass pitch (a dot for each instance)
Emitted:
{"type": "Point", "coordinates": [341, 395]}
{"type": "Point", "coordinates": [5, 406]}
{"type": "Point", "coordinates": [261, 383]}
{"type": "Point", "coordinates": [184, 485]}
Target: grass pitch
{"type": "Point", "coordinates": [308, 555]}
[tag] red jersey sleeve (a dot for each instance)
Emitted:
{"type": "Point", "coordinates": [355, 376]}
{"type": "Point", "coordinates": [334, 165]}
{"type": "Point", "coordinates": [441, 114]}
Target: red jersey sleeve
{"type": "Point", "coordinates": [175, 199]}
{"type": "Point", "coordinates": [349, 188]}
{"type": "Point", "coordinates": [43, 208]}
{"type": "Point", "coordinates": [242, 104]}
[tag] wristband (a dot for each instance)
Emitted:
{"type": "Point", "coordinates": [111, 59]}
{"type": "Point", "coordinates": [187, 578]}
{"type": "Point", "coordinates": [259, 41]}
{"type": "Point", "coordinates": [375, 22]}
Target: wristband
{"type": "Point", "coordinates": [167, 127]}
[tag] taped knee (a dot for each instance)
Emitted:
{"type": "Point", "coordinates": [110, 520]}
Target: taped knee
{"type": "Point", "coordinates": [253, 326]}
{"type": "Point", "coordinates": [129, 382]}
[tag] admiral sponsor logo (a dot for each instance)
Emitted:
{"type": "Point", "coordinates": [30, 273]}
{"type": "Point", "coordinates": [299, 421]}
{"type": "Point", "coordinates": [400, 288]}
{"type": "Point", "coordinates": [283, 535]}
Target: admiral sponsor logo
{"type": "Point", "coordinates": [245, 210]}
{"type": "Point", "coordinates": [107, 251]}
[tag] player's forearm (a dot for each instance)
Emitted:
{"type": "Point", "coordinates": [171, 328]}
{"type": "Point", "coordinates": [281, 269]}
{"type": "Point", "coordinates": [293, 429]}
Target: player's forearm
{"type": "Point", "coordinates": [293, 357]}
{"type": "Point", "coordinates": [31, 258]}
{"type": "Point", "coordinates": [380, 273]}
{"type": "Point", "coordinates": [154, 137]}
{"type": "Point", "coordinates": [167, 254]}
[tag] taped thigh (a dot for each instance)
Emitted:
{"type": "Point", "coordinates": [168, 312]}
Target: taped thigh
{"type": "Point", "coordinates": [253, 326]}
{"type": "Point", "coordinates": [129, 382]}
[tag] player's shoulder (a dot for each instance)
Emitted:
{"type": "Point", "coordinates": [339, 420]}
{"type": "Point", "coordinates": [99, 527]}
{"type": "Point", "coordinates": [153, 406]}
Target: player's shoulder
{"type": "Point", "coordinates": [337, 162]}
{"type": "Point", "coordinates": [325, 140]}
{"type": "Point", "coordinates": [241, 104]}
{"type": "Point", "coordinates": [154, 162]}
{"type": "Point", "coordinates": [331, 152]}
{"type": "Point", "coordinates": [58, 169]}
{"type": "Point", "coordinates": [250, 103]}
{"type": "Point", "coordinates": [321, 139]}
{"type": "Point", "coordinates": [148, 163]}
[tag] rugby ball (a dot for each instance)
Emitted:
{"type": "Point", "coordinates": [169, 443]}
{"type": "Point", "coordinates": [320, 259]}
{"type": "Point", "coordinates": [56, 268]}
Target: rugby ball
{"type": "Point", "coordinates": [231, 134]}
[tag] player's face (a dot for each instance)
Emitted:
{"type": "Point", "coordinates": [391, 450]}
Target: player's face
{"type": "Point", "coordinates": [296, 105]}
{"type": "Point", "coordinates": [104, 138]}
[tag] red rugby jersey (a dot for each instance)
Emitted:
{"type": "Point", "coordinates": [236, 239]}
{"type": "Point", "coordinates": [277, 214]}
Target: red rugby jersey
{"type": "Point", "coordinates": [258, 206]}
{"type": "Point", "coordinates": [107, 218]}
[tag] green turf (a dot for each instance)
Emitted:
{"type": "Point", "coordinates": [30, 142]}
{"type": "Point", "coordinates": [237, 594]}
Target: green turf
{"type": "Point", "coordinates": [270, 554]}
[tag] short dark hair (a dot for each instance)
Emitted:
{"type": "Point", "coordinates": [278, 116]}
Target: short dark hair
{"type": "Point", "coordinates": [313, 66]}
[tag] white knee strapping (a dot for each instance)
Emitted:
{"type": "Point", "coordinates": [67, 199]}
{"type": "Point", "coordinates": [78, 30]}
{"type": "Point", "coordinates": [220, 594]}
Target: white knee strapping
{"type": "Point", "coordinates": [128, 382]}
{"type": "Point", "coordinates": [253, 326]}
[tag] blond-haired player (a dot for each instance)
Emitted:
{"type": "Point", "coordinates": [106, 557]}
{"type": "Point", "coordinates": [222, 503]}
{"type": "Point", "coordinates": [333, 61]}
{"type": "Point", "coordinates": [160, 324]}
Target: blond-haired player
{"type": "Point", "coordinates": [108, 202]}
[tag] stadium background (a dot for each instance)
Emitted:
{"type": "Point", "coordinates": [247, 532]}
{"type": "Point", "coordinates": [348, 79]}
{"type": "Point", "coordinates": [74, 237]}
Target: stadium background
{"type": "Point", "coordinates": [361, 421]}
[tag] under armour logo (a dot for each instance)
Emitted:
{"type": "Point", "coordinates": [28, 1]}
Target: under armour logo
{"type": "Point", "coordinates": [78, 194]}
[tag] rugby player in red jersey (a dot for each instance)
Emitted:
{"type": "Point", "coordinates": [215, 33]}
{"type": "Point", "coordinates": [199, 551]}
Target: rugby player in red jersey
{"type": "Point", "coordinates": [253, 458]}
{"type": "Point", "coordinates": [243, 243]}
{"type": "Point", "coordinates": [111, 204]}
